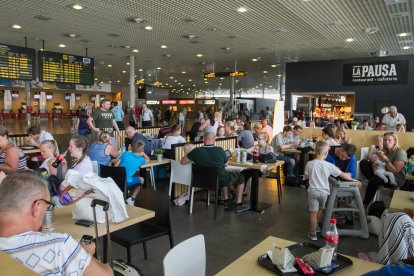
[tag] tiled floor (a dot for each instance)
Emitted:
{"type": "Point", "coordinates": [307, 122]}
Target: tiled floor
{"type": "Point", "coordinates": [231, 234]}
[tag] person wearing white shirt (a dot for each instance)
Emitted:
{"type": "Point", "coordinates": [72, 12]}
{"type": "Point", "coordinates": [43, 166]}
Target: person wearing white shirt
{"type": "Point", "coordinates": [146, 116]}
{"type": "Point", "coordinates": [392, 119]}
{"type": "Point", "coordinates": [37, 136]}
{"type": "Point", "coordinates": [266, 128]}
{"type": "Point", "coordinates": [174, 137]}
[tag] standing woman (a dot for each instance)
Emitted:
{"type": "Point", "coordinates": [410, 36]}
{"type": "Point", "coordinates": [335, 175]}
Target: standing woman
{"type": "Point", "coordinates": [210, 124]}
{"type": "Point", "coordinates": [11, 157]}
{"type": "Point", "coordinates": [395, 161]}
{"type": "Point", "coordinates": [78, 146]}
{"type": "Point", "coordinates": [81, 125]}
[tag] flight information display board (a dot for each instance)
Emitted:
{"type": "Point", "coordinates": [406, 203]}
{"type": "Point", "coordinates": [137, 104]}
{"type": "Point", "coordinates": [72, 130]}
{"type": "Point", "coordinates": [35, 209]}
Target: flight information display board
{"type": "Point", "coordinates": [16, 62]}
{"type": "Point", "coordinates": [65, 68]}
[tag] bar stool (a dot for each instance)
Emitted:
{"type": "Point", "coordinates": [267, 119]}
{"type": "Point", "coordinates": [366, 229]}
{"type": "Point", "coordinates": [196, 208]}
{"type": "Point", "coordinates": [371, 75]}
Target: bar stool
{"type": "Point", "coordinates": [350, 190]}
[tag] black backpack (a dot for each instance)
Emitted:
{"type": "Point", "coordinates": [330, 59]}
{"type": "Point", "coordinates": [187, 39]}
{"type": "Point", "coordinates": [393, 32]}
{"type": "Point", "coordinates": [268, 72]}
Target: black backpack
{"type": "Point", "coordinates": [376, 209]}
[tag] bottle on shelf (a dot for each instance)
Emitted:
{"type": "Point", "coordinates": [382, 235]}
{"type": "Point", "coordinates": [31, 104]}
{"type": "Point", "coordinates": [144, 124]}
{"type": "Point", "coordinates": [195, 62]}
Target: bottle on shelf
{"type": "Point", "coordinates": [332, 237]}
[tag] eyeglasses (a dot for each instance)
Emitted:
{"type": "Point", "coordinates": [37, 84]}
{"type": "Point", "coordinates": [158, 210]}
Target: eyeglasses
{"type": "Point", "coordinates": [50, 205]}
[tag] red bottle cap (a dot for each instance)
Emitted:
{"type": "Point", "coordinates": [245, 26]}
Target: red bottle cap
{"type": "Point", "coordinates": [333, 221]}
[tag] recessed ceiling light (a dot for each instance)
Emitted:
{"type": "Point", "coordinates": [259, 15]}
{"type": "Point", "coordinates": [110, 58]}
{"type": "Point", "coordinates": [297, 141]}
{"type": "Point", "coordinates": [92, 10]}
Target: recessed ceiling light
{"type": "Point", "coordinates": [273, 65]}
{"type": "Point", "coordinates": [199, 55]}
{"type": "Point", "coordinates": [135, 50]}
{"type": "Point", "coordinates": [171, 78]}
{"type": "Point", "coordinates": [123, 72]}
{"type": "Point", "coordinates": [96, 79]}
{"type": "Point", "coordinates": [16, 26]}
{"type": "Point", "coordinates": [62, 45]}
{"type": "Point", "coordinates": [254, 59]}
{"type": "Point", "coordinates": [109, 65]}
{"type": "Point", "coordinates": [265, 72]}
{"type": "Point", "coordinates": [242, 9]}
{"type": "Point", "coordinates": [109, 81]}
{"type": "Point", "coordinates": [279, 75]}
{"type": "Point", "coordinates": [407, 47]}
{"type": "Point", "coordinates": [77, 7]}
{"type": "Point", "coordinates": [183, 72]}
{"type": "Point", "coordinates": [126, 46]}
{"type": "Point", "coordinates": [72, 35]}
{"type": "Point", "coordinates": [140, 70]}
{"type": "Point", "coordinates": [349, 39]}
{"type": "Point", "coordinates": [222, 78]}
{"type": "Point", "coordinates": [403, 34]}
{"type": "Point", "coordinates": [118, 81]}
{"type": "Point", "coordinates": [159, 68]}
{"type": "Point", "coordinates": [164, 46]}
{"type": "Point", "coordinates": [148, 28]}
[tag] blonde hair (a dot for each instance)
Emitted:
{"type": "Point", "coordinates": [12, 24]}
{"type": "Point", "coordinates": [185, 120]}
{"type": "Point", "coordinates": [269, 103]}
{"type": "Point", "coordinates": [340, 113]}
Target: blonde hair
{"type": "Point", "coordinates": [396, 145]}
{"type": "Point", "coordinates": [51, 144]}
{"type": "Point", "coordinates": [321, 148]}
{"type": "Point", "coordinates": [104, 137]}
{"type": "Point", "coordinates": [338, 131]}
{"type": "Point", "coordinates": [231, 125]}
{"type": "Point", "coordinates": [257, 126]}
{"type": "Point", "coordinates": [263, 135]}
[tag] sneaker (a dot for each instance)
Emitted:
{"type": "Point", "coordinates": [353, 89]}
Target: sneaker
{"type": "Point", "coordinates": [241, 207]}
{"type": "Point", "coordinates": [130, 201]}
{"type": "Point", "coordinates": [318, 229]}
{"type": "Point", "coordinates": [312, 235]}
{"type": "Point", "coordinates": [229, 204]}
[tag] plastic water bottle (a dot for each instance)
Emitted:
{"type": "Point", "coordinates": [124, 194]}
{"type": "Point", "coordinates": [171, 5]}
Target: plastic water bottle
{"type": "Point", "coordinates": [238, 155]}
{"type": "Point", "coordinates": [244, 156]}
{"type": "Point", "coordinates": [123, 148]}
{"type": "Point", "coordinates": [332, 237]}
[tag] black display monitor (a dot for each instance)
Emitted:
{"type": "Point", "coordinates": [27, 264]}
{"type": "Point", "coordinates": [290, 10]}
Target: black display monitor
{"type": "Point", "coordinates": [65, 68]}
{"type": "Point", "coordinates": [17, 63]}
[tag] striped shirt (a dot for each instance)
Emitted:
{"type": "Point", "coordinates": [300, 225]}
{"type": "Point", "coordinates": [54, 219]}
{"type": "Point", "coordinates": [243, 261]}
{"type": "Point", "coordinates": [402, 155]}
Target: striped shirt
{"type": "Point", "coordinates": [47, 254]}
{"type": "Point", "coordinates": [22, 159]}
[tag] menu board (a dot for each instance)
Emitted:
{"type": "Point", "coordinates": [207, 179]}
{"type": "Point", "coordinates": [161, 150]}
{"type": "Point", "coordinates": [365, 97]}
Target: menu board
{"type": "Point", "coordinates": [65, 68]}
{"type": "Point", "coordinates": [16, 62]}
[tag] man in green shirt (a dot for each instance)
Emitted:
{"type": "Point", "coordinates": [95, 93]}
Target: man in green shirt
{"type": "Point", "coordinates": [210, 155]}
{"type": "Point", "coordinates": [102, 119]}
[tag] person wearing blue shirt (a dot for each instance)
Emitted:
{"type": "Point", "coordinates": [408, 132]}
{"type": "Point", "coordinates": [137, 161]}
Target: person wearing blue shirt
{"type": "Point", "coordinates": [344, 158]}
{"type": "Point", "coordinates": [132, 161]}
{"type": "Point", "coordinates": [119, 115]}
{"type": "Point", "coordinates": [132, 135]}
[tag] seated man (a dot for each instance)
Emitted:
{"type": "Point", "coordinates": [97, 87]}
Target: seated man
{"type": "Point", "coordinates": [164, 130]}
{"type": "Point", "coordinates": [37, 136]}
{"type": "Point", "coordinates": [24, 199]}
{"type": "Point", "coordinates": [210, 155]}
{"type": "Point", "coordinates": [133, 136]}
{"type": "Point", "coordinates": [344, 158]}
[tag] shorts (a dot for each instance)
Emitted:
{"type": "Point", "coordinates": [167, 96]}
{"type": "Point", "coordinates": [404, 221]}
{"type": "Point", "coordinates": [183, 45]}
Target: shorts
{"type": "Point", "coordinates": [316, 200]}
{"type": "Point", "coordinates": [235, 178]}
{"type": "Point", "coordinates": [136, 180]}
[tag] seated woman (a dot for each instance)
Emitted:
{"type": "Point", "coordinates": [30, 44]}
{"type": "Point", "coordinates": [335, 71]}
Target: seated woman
{"type": "Point", "coordinates": [396, 162]}
{"type": "Point", "coordinates": [221, 133]}
{"type": "Point", "coordinates": [262, 147]}
{"type": "Point", "coordinates": [230, 129]}
{"type": "Point", "coordinates": [328, 137]}
{"type": "Point", "coordinates": [48, 150]}
{"type": "Point", "coordinates": [102, 150]}
{"type": "Point", "coordinates": [11, 157]}
{"type": "Point", "coordinates": [256, 130]}
{"type": "Point", "coordinates": [174, 137]}
{"type": "Point", "coordinates": [78, 146]}
{"type": "Point", "coordinates": [342, 137]}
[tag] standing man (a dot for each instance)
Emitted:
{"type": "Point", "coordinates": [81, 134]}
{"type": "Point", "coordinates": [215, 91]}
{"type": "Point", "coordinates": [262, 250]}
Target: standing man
{"type": "Point", "coordinates": [24, 200]}
{"type": "Point", "coordinates": [146, 117]}
{"type": "Point", "coordinates": [119, 115]}
{"type": "Point", "coordinates": [392, 119]}
{"type": "Point", "coordinates": [102, 119]}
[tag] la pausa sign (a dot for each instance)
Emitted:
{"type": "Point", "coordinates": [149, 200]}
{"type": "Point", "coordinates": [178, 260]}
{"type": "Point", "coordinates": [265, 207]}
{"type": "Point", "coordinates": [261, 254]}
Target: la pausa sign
{"type": "Point", "coordinates": [376, 73]}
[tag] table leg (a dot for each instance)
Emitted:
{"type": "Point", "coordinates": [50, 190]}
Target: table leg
{"type": "Point", "coordinates": [279, 184]}
{"type": "Point", "coordinates": [255, 205]}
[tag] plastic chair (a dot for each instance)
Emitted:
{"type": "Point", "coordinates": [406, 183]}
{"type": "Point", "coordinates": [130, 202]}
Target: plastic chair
{"type": "Point", "coordinates": [95, 167]}
{"type": "Point", "coordinates": [150, 229]}
{"type": "Point", "coordinates": [364, 153]}
{"type": "Point", "coordinates": [181, 174]}
{"type": "Point", "coordinates": [204, 177]}
{"type": "Point", "coordinates": [186, 258]}
{"type": "Point", "coordinates": [118, 174]}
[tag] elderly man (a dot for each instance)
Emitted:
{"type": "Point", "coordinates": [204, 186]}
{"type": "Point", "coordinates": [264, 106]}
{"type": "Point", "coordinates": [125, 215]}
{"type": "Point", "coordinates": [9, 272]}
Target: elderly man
{"type": "Point", "coordinates": [24, 200]}
{"type": "Point", "coordinates": [210, 155]}
{"type": "Point", "coordinates": [102, 119]}
{"type": "Point", "coordinates": [392, 119]}
{"type": "Point", "coordinates": [132, 136]}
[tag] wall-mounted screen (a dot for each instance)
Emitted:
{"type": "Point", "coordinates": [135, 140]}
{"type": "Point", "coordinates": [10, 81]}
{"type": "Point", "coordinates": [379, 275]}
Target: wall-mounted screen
{"type": "Point", "coordinates": [16, 62]}
{"type": "Point", "coordinates": [65, 68]}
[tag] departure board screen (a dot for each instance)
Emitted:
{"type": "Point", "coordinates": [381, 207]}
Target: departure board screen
{"type": "Point", "coordinates": [65, 68]}
{"type": "Point", "coordinates": [16, 62]}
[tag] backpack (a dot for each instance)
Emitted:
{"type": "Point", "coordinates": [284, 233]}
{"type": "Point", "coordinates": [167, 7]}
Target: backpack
{"type": "Point", "coordinates": [270, 157]}
{"type": "Point", "coordinates": [376, 209]}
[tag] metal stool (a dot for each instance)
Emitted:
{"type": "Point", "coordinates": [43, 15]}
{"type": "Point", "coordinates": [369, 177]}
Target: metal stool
{"type": "Point", "coordinates": [345, 189]}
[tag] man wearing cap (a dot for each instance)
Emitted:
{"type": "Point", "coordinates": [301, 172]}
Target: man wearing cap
{"type": "Point", "coordinates": [103, 119]}
{"type": "Point", "coordinates": [392, 119]}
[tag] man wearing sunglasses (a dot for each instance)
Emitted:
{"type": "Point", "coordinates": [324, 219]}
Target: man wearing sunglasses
{"type": "Point", "coordinates": [24, 200]}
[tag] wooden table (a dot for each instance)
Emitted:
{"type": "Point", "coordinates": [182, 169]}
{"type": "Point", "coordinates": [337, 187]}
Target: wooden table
{"type": "Point", "coordinates": [65, 224]}
{"type": "Point", "coordinates": [401, 200]}
{"type": "Point", "coordinates": [255, 205]}
{"type": "Point", "coordinates": [247, 264]}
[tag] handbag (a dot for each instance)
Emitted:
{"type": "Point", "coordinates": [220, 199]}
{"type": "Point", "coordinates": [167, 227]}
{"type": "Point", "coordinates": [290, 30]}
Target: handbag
{"type": "Point", "coordinates": [70, 195]}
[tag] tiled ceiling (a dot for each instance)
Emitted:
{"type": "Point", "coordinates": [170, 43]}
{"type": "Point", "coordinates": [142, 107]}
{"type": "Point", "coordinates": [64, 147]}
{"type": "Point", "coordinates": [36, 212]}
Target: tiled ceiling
{"type": "Point", "coordinates": [273, 31]}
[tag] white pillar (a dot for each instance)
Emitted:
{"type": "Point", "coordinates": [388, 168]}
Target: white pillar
{"type": "Point", "coordinates": [132, 81]}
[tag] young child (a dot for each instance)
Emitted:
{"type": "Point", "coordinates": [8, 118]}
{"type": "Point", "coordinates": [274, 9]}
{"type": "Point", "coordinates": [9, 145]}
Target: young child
{"type": "Point", "coordinates": [132, 161]}
{"type": "Point", "coordinates": [318, 172]}
{"type": "Point", "coordinates": [381, 171]}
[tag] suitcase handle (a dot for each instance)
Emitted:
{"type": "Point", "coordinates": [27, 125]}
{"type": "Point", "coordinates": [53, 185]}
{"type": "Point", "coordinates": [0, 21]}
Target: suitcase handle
{"type": "Point", "coordinates": [102, 203]}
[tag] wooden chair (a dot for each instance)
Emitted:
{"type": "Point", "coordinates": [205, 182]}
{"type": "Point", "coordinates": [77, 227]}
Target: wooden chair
{"type": "Point", "coordinates": [150, 229]}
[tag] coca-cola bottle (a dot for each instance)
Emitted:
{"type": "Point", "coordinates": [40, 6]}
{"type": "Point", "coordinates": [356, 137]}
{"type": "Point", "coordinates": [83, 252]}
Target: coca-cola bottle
{"type": "Point", "coordinates": [59, 159]}
{"type": "Point", "coordinates": [332, 237]}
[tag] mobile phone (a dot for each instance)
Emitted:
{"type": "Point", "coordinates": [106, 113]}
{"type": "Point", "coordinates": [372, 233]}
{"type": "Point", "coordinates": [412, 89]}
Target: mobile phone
{"type": "Point", "coordinates": [84, 222]}
{"type": "Point", "coordinates": [87, 239]}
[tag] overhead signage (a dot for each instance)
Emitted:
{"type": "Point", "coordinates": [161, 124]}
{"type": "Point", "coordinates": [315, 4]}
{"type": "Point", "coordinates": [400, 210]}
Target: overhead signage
{"type": "Point", "coordinates": [153, 102]}
{"type": "Point", "coordinates": [17, 62]}
{"type": "Point", "coordinates": [65, 68]}
{"type": "Point", "coordinates": [169, 102]}
{"type": "Point", "coordinates": [186, 102]}
{"type": "Point", "coordinates": [207, 102]}
{"type": "Point", "coordinates": [376, 73]}
{"type": "Point", "coordinates": [224, 74]}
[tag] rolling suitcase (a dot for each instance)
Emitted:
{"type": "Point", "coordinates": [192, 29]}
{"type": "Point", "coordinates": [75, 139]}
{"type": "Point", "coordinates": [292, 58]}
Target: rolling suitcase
{"type": "Point", "coordinates": [120, 267]}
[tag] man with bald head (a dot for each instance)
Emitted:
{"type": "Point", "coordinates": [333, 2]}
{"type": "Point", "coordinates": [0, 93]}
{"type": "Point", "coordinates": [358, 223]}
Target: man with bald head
{"type": "Point", "coordinates": [392, 119]}
{"type": "Point", "coordinates": [132, 135]}
{"type": "Point", "coordinates": [210, 155]}
{"type": "Point", "coordinates": [24, 200]}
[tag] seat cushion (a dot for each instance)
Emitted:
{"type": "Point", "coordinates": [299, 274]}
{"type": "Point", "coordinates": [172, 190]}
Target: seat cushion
{"type": "Point", "coordinates": [138, 233]}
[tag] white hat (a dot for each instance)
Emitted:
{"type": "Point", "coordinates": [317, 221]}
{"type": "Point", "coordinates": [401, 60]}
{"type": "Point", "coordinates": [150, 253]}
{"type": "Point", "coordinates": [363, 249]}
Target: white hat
{"type": "Point", "coordinates": [295, 119]}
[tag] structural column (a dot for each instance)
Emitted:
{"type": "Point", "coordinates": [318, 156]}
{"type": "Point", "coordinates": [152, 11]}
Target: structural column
{"type": "Point", "coordinates": [132, 81]}
{"type": "Point", "coordinates": [27, 99]}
